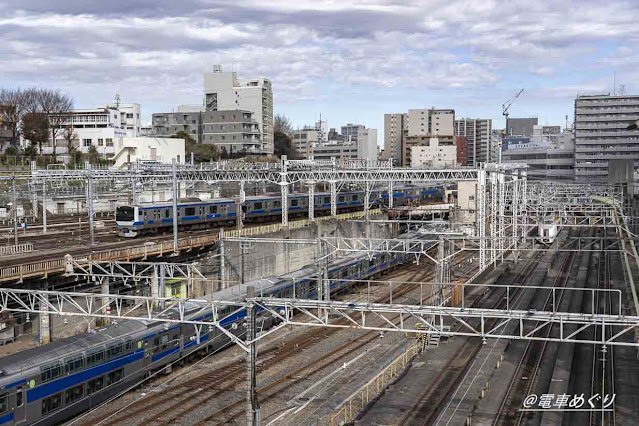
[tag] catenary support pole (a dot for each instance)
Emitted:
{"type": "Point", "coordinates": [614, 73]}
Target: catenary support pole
{"type": "Point", "coordinates": [90, 204]}
{"type": "Point", "coordinates": [175, 209]}
{"type": "Point", "coordinates": [44, 207]}
{"type": "Point", "coordinates": [14, 205]}
{"type": "Point", "coordinates": [253, 407]}
{"type": "Point", "coordinates": [222, 260]}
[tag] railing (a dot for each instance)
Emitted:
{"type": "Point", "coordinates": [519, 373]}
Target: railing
{"type": "Point", "coordinates": [20, 272]}
{"type": "Point", "coordinates": [276, 227]}
{"type": "Point", "coordinates": [18, 249]}
{"type": "Point", "coordinates": [371, 390]}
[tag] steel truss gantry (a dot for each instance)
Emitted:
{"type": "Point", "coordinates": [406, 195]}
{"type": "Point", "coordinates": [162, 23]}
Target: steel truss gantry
{"type": "Point", "coordinates": [490, 323]}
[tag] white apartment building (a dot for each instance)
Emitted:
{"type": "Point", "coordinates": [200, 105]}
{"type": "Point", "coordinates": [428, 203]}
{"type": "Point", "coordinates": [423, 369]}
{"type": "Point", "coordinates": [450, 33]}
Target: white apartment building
{"type": "Point", "coordinates": [439, 152]}
{"type": "Point", "coordinates": [430, 122]}
{"type": "Point", "coordinates": [223, 91]}
{"type": "Point", "coordinates": [99, 127]}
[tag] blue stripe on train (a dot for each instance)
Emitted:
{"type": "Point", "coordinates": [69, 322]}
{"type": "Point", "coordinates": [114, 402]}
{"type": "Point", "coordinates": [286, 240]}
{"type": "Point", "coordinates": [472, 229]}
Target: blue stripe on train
{"type": "Point", "coordinates": [6, 418]}
{"type": "Point", "coordinates": [59, 385]}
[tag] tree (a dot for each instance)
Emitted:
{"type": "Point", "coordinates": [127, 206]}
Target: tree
{"type": "Point", "coordinates": [94, 155]}
{"type": "Point", "coordinates": [30, 151]}
{"type": "Point", "coordinates": [56, 106]}
{"type": "Point", "coordinates": [282, 144]}
{"type": "Point", "coordinates": [35, 128]}
{"type": "Point", "coordinates": [12, 108]}
{"type": "Point", "coordinates": [202, 153]}
{"type": "Point", "coordinates": [282, 124]}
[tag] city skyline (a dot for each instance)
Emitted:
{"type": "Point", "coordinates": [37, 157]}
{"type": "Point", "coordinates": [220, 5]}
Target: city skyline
{"type": "Point", "coordinates": [350, 62]}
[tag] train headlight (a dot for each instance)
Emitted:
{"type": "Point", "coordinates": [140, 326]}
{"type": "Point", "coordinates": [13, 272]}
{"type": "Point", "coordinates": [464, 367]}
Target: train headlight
{"type": "Point", "coordinates": [234, 326]}
{"type": "Point", "coordinates": [282, 312]}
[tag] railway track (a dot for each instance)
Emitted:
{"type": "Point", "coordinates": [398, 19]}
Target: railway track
{"type": "Point", "coordinates": [166, 403]}
{"type": "Point", "coordinates": [432, 399]}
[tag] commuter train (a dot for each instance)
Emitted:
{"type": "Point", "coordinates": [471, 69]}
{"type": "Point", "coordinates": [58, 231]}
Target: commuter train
{"type": "Point", "coordinates": [132, 221]}
{"type": "Point", "coordinates": [49, 384]}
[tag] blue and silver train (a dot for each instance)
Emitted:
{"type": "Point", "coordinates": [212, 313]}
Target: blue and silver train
{"type": "Point", "coordinates": [54, 382]}
{"type": "Point", "coordinates": [142, 219]}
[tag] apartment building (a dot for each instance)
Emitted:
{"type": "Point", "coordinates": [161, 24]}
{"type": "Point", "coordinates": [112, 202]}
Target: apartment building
{"type": "Point", "coordinates": [479, 136]}
{"type": "Point", "coordinates": [169, 123]}
{"type": "Point", "coordinates": [601, 133]}
{"type": "Point", "coordinates": [233, 131]}
{"type": "Point", "coordinates": [393, 135]}
{"type": "Point", "coordinates": [223, 92]}
{"type": "Point", "coordinates": [429, 151]}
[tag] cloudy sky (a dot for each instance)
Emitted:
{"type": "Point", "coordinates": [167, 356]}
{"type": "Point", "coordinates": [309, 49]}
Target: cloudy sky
{"type": "Point", "coordinates": [351, 61]}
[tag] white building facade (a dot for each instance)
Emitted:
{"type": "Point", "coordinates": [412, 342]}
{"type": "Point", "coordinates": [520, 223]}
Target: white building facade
{"type": "Point", "coordinates": [223, 91]}
{"type": "Point", "coordinates": [101, 128]}
{"type": "Point", "coordinates": [148, 149]}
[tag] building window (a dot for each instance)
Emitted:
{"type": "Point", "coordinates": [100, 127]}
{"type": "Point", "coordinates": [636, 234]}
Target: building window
{"type": "Point", "coordinates": [100, 142]}
{"type": "Point", "coordinates": [86, 142]}
{"type": "Point", "coordinates": [109, 142]}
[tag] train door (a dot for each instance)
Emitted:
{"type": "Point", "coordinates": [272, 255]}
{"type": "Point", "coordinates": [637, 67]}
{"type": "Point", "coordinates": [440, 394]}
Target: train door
{"type": "Point", "coordinates": [21, 409]}
{"type": "Point", "coordinates": [148, 351]}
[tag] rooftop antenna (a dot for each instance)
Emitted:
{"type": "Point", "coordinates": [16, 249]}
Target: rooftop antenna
{"type": "Point", "coordinates": [622, 89]}
{"type": "Point", "coordinates": [614, 84]}
{"type": "Point", "coordinates": [116, 101]}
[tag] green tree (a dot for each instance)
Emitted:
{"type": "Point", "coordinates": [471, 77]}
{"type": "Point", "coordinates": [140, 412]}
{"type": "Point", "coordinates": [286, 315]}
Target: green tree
{"type": "Point", "coordinates": [282, 144]}
{"type": "Point", "coordinates": [202, 153]}
{"type": "Point", "coordinates": [30, 151]}
{"type": "Point", "coordinates": [94, 155]}
{"type": "Point", "coordinates": [35, 128]}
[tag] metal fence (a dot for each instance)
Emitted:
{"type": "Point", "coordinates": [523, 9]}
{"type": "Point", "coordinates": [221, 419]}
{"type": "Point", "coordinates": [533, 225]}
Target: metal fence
{"type": "Point", "coordinates": [350, 408]}
{"type": "Point", "coordinates": [17, 249]}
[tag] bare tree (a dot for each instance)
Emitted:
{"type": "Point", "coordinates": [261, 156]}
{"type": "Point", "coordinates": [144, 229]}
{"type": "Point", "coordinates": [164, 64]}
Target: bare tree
{"type": "Point", "coordinates": [57, 107]}
{"type": "Point", "coordinates": [11, 111]}
{"type": "Point", "coordinates": [282, 124]}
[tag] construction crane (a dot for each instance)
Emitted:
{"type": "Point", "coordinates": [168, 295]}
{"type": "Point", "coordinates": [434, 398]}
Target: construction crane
{"type": "Point", "coordinates": [508, 103]}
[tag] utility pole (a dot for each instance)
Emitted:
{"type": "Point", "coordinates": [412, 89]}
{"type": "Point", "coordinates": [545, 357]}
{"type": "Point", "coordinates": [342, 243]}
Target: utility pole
{"type": "Point", "coordinates": [253, 408]}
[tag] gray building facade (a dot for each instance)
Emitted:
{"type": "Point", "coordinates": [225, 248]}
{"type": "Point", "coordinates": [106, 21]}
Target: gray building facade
{"type": "Point", "coordinates": [521, 126]}
{"type": "Point", "coordinates": [544, 163]}
{"type": "Point", "coordinates": [235, 131]}
{"type": "Point", "coordinates": [601, 133]}
{"type": "Point", "coordinates": [169, 123]}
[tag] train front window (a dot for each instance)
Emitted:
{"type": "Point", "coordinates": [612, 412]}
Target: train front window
{"type": "Point", "coordinates": [124, 214]}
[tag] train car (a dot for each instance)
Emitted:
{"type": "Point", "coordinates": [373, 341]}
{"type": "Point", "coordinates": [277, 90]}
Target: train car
{"type": "Point", "coordinates": [133, 221]}
{"type": "Point", "coordinates": [548, 229]}
{"type": "Point", "coordinates": [52, 383]}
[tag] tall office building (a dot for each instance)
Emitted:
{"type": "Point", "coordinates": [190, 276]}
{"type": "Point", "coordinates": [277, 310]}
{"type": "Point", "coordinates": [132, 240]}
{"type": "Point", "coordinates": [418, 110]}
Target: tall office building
{"type": "Point", "coordinates": [223, 91]}
{"type": "Point", "coordinates": [393, 136]}
{"type": "Point", "coordinates": [601, 133]}
{"type": "Point", "coordinates": [478, 133]}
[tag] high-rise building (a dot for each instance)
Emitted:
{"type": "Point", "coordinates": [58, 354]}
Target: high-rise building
{"type": "Point", "coordinates": [417, 122]}
{"type": "Point", "coordinates": [351, 131]}
{"type": "Point", "coordinates": [478, 133]}
{"type": "Point", "coordinates": [520, 126]}
{"type": "Point", "coordinates": [223, 91]}
{"type": "Point", "coordinates": [393, 135]}
{"type": "Point", "coordinates": [233, 131]}
{"type": "Point", "coordinates": [601, 133]}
